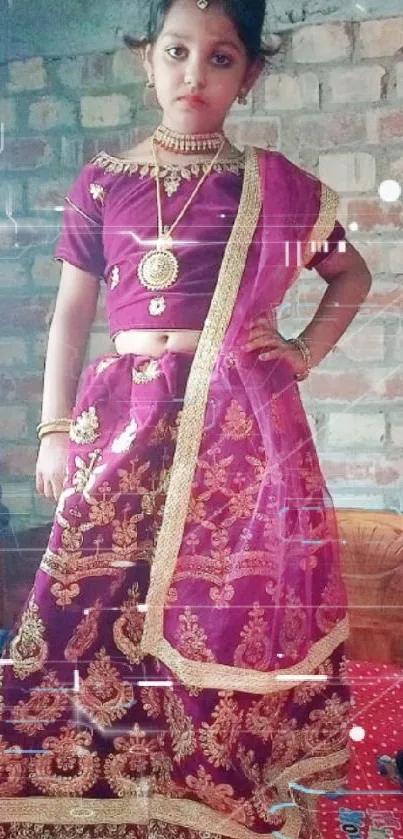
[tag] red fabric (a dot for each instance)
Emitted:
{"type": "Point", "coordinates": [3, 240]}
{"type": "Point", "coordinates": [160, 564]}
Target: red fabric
{"type": "Point", "coordinates": [377, 699]}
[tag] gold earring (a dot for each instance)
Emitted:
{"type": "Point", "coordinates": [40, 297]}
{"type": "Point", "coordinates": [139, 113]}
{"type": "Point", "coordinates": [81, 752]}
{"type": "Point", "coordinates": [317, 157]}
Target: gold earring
{"type": "Point", "coordinates": [242, 98]}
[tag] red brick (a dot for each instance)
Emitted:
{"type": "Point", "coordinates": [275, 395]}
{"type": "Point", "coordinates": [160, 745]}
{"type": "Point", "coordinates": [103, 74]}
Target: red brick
{"type": "Point", "coordinates": [384, 126]}
{"type": "Point", "coordinates": [325, 42]}
{"type": "Point", "coordinates": [328, 131]}
{"type": "Point", "coordinates": [18, 460]}
{"type": "Point", "coordinates": [370, 213]}
{"type": "Point", "coordinates": [13, 422]}
{"type": "Point", "coordinates": [264, 133]}
{"type": "Point", "coordinates": [20, 388]}
{"type": "Point", "coordinates": [380, 37]}
{"type": "Point", "coordinates": [355, 84]}
{"type": "Point", "coordinates": [371, 470]}
{"type": "Point", "coordinates": [26, 313]}
{"type": "Point", "coordinates": [366, 386]}
{"type": "Point", "coordinates": [26, 153]}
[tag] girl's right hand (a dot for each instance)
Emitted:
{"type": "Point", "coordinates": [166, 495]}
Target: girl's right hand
{"type": "Point", "coordinates": [51, 464]}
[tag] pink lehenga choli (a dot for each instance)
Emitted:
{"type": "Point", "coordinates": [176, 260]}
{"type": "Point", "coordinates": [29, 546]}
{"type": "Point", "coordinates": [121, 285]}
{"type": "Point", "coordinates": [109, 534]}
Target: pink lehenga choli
{"type": "Point", "coordinates": [158, 682]}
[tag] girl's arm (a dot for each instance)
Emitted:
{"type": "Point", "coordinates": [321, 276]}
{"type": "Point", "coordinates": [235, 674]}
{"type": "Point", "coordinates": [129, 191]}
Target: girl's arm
{"type": "Point", "coordinates": [68, 337]}
{"type": "Point", "coordinates": [349, 282]}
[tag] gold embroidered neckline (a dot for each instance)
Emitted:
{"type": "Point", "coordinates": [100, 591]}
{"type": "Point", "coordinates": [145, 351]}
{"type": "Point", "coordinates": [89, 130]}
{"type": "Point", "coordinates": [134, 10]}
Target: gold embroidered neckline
{"type": "Point", "coordinates": [172, 174]}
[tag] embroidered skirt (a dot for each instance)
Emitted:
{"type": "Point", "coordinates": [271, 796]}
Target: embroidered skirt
{"type": "Point", "coordinates": [99, 740]}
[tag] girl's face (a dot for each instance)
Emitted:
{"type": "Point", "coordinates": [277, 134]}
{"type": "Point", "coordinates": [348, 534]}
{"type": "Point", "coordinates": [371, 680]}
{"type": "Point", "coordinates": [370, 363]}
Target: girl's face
{"type": "Point", "coordinates": [198, 54]}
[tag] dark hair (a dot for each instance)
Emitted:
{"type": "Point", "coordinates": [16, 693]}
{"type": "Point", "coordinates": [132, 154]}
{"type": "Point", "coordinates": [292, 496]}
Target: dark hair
{"type": "Point", "coordinates": [247, 16]}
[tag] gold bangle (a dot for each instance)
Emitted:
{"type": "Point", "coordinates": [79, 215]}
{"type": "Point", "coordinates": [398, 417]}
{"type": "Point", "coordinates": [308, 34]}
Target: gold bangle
{"type": "Point", "coordinates": [58, 425]}
{"type": "Point", "coordinates": [46, 431]}
{"type": "Point", "coordinates": [306, 354]}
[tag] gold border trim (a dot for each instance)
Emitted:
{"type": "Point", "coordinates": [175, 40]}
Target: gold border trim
{"type": "Point", "coordinates": [224, 677]}
{"type": "Point", "coordinates": [192, 420]}
{"type": "Point", "coordinates": [118, 165]}
{"type": "Point", "coordinates": [329, 205]}
{"type": "Point", "coordinates": [182, 812]}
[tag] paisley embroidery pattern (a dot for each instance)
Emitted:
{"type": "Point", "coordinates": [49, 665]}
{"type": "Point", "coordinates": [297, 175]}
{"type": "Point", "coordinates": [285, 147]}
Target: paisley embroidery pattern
{"type": "Point", "coordinates": [104, 697]}
{"type": "Point", "coordinates": [85, 633]}
{"type": "Point", "coordinates": [69, 753]}
{"type": "Point", "coordinates": [127, 630]}
{"type": "Point", "coordinates": [28, 649]}
{"type": "Point", "coordinates": [219, 739]}
{"type": "Point", "coordinates": [180, 727]}
{"type": "Point", "coordinates": [45, 705]}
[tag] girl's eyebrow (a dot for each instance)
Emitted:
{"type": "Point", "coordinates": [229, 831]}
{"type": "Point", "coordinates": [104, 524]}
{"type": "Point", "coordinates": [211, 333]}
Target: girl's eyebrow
{"type": "Point", "coordinates": [220, 43]}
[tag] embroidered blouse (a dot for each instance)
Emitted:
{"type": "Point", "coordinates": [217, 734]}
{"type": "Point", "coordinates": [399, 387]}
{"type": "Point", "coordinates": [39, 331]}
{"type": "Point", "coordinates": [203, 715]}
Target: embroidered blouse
{"type": "Point", "coordinates": [110, 223]}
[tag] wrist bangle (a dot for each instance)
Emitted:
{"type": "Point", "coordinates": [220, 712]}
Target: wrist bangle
{"type": "Point", "coordinates": [306, 354]}
{"type": "Point", "coordinates": [53, 425]}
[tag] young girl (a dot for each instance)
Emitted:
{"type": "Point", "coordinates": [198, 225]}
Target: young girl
{"type": "Point", "coordinates": [177, 670]}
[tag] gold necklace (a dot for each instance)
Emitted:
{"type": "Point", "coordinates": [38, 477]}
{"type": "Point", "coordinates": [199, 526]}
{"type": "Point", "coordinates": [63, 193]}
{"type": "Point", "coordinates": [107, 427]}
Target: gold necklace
{"type": "Point", "coordinates": [160, 268]}
{"type": "Point", "coordinates": [187, 143]}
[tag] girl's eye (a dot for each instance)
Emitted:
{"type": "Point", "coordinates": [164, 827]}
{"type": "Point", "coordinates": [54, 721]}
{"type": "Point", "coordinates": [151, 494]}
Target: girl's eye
{"type": "Point", "coordinates": [223, 60]}
{"type": "Point", "coordinates": [226, 62]}
{"type": "Point", "coordinates": [178, 49]}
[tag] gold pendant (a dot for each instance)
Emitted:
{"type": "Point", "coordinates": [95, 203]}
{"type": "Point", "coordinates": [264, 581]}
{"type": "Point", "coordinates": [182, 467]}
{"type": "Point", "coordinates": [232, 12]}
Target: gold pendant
{"type": "Point", "coordinates": [159, 268]}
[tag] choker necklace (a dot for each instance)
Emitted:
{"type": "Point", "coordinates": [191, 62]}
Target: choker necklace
{"type": "Point", "coordinates": [159, 268]}
{"type": "Point", "coordinates": [187, 143]}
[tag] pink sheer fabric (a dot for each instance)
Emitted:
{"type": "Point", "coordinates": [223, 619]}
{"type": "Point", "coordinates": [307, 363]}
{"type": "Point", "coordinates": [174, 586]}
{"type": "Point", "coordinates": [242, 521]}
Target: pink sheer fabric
{"type": "Point", "coordinates": [178, 667]}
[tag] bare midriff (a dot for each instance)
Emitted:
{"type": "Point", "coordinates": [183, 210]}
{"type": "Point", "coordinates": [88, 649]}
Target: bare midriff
{"type": "Point", "coordinates": [155, 343]}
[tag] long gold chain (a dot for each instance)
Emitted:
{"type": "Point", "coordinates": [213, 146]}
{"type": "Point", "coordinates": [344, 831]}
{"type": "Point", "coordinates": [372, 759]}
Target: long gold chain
{"type": "Point", "coordinates": [165, 234]}
{"type": "Point", "coordinates": [159, 269]}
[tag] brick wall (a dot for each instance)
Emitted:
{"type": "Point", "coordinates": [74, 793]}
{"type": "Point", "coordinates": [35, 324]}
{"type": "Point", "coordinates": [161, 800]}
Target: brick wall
{"type": "Point", "coordinates": [332, 101]}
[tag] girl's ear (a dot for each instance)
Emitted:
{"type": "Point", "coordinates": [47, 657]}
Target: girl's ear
{"type": "Point", "coordinates": [253, 72]}
{"type": "Point", "coordinates": [146, 55]}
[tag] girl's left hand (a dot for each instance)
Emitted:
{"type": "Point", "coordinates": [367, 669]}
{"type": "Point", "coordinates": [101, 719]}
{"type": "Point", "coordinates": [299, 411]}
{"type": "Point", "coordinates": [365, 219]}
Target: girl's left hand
{"type": "Point", "coordinates": [263, 336]}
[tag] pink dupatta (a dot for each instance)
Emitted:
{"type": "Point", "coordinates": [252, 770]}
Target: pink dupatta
{"type": "Point", "coordinates": [246, 589]}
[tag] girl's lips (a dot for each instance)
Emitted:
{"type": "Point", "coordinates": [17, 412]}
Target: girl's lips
{"type": "Point", "coordinates": [194, 101]}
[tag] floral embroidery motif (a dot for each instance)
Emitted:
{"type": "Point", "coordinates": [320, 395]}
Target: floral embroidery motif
{"type": "Point", "coordinates": [141, 766]}
{"type": "Point", "coordinates": [97, 192]}
{"type": "Point", "coordinates": [67, 753]}
{"type": "Point", "coordinates": [45, 705]}
{"type": "Point", "coordinates": [105, 363]}
{"type": "Point", "coordinates": [148, 372]}
{"type": "Point", "coordinates": [192, 638]}
{"type": "Point", "coordinates": [254, 651]}
{"type": "Point", "coordinates": [13, 769]}
{"type": "Point", "coordinates": [128, 629]}
{"type": "Point", "coordinates": [85, 633]}
{"type": "Point", "coordinates": [236, 425]}
{"type": "Point", "coordinates": [305, 692]}
{"type": "Point", "coordinates": [84, 478]}
{"type": "Point", "coordinates": [220, 797]}
{"type": "Point", "coordinates": [85, 428]}
{"type": "Point", "coordinates": [157, 306]}
{"type": "Point", "coordinates": [152, 702]}
{"type": "Point", "coordinates": [293, 626]}
{"type": "Point", "coordinates": [264, 716]}
{"type": "Point", "coordinates": [28, 649]}
{"type": "Point", "coordinates": [218, 739]}
{"type": "Point", "coordinates": [180, 727]}
{"type": "Point", "coordinates": [104, 697]}
{"type": "Point", "coordinates": [328, 613]}
{"type": "Point", "coordinates": [328, 731]}
{"type": "Point", "coordinates": [115, 277]}
{"type": "Point", "coordinates": [125, 440]}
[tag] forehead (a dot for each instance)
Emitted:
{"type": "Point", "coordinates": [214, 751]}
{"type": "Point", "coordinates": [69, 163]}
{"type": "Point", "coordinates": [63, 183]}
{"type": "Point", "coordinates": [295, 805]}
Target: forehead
{"type": "Point", "coordinates": [186, 19]}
